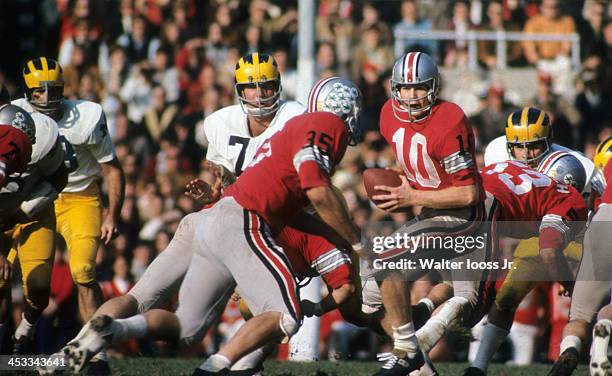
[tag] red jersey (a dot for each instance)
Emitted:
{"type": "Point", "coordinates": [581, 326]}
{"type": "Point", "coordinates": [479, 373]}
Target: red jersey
{"type": "Point", "coordinates": [435, 153]}
{"type": "Point", "coordinates": [15, 151]}
{"type": "Point", "coordinates": [606, 197]}
{"type": "Point", "coordinates": [312, 255]}
{"type": "Point", "coordinates": [533, 204]}
{"type": "Point", "coordinates": [301, 156]}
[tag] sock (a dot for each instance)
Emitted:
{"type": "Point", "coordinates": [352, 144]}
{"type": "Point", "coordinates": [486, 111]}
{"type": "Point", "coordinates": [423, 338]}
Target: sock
{"type": "Point", "coordinates": [249, 361]}
{"type": "Point", "coordinates": [404, 339]}
{"type": "Point", "coordinates": [428, 303]}
{"type": "Point", "coordinates": [216, 362]}
{"type": "Point", "coordinates": [491, 339]}
{"type": "Point", "coordinates": [25, 328]}
{"type": "Point", "coordinates": [132, 327]}
{"type": "Point", "coordinates": [570, 341]}
{"type": "Point", "coordinates": [435, 328]}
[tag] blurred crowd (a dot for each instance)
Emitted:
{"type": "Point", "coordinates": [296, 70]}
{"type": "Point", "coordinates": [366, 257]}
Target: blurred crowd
{"type": "Point", "coordinates": [159, 67]}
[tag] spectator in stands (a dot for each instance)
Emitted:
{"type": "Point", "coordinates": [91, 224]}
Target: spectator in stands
{"type": "Point", "coordinates": [82, 35]}
{"type": "Point", "coordinates": [487, 50]}
{"type": "Point", "coordinates": [216, 50]}
{"type": "Point", "coordinates": [411, 21]}
{"type": "Point", "coordinates": [143, 254]}
{"type": "Point", "coordinates": [371, 54]}
{"type": "Point", "coordinates": [326, 60]}
{"type": "Point", "coordinates": [138, 45]}
{"type": "Point", "coordinates": [592, 101]}
{"type": "Point", "coordinates": [564, 117]}
{"type": "Point", "coordinates": [159, 116]}
{"type": "Point", "coordinates": [491, 120]}
{"type": "Point", "coordinates": [552, 57]}
{"type": "Point", "coordinates": [166, 75]}
{"type": "Point", "coordinates": [334, 26]}
{"type": "Point", "coordinates": [370, 16]}
{"type": "Point", "coordinates": [591, 30]}
{"type": "Point", "coordinates": [136, 92]}
{"type": "Point", "coordinates": [289, 75]}
{"type": "Point", "coordinates": [456, 52]}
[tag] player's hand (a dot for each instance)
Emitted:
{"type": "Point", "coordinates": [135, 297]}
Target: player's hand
{"type": "Point", "coordinates": [5, 268]}
{"type": "Point", "coordinates": [109, 230]}
{"type": "Point", "coordinates": [398, 197]}
{"type": "Point", "coordinates": [235, 297]}
{"type": "Point", "coordinates": [566, 289]}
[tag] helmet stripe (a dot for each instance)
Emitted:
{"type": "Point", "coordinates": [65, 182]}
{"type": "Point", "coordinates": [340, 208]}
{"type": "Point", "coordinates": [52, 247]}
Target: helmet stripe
{"type": "Point", "coordinates": [314, 93]}
{"type": "Point", "coordinates": [415, 64]}
{"type": "Point", "coordinates": [550, 160]}
{"type": "Point", "coordinates": [45, 66]}
{"type": "Point", "coordinates": [37, 64]}
{"type": "Point", "coordinates": [409, 67]}
{"type": "Point", "coordinates": [404, 61]}
{"type": "Point", "coordinates": [525, 117]}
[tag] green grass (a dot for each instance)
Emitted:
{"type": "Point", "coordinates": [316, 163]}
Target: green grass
{"type": "Point", "coordinates": [174, 366]}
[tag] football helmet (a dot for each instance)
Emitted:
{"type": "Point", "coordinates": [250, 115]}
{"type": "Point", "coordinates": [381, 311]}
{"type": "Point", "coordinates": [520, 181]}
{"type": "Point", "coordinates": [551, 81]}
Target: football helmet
{"type": "Point", "coordinates": [414, 69]}
{"type": "Point", "coordinates": [18, 118]}
{"type": "Point", "coordinates": [603, 153]}
{"type": "Point", "coordinates": [342, 98]}
{"type": "Point", "coordinates": [526, 127]}
{"type": "Point", "coordinates": [257, 69]}
{"type": "Point", "coordinates": [44, 73]}
{"type": "Point", "coordinates": [565, 169]}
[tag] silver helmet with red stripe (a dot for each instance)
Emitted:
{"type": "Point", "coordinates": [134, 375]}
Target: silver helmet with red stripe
{"type": "Point", "coordinates": [565, 169]}
{"type": "Point", "coordinates": [414, 70]}
{"type": "Point", "coordinates": [340, 97]}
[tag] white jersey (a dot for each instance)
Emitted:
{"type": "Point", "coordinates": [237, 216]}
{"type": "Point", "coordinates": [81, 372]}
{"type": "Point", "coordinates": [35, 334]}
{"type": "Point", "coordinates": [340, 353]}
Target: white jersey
{"type": "Point", "coordinates": [230, 143]}
{"type": "Point", "coordinates": [85, 139]}
{"type": "Point", "coordinates": [497, 151]}
{"type": "Point", "coordinates": [47, 156]}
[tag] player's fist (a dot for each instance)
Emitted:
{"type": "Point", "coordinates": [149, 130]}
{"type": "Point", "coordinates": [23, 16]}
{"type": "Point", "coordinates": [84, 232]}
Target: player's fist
{"type": "Point", "coordinates": [308, 308]}
{"type": "Point", "coordinates": [203, 192]}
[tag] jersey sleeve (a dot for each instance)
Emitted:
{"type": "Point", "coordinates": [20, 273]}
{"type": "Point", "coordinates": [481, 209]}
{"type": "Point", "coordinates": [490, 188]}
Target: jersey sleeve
{"type": "Point", "coordinates": [563, 221]}
{"type": "Point", "coordinates": [456, 153]}
{"type": "Point", "coordinates": [100, 143]}
{"type": "Point", "coordinates": [317, 148]}
{"type": "Point", "coordinates": [332, 264]}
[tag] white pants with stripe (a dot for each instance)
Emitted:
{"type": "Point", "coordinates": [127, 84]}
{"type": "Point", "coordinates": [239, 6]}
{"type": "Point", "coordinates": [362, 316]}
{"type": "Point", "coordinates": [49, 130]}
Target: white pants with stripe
{"type": "Point", "coordinates": [233, 249]}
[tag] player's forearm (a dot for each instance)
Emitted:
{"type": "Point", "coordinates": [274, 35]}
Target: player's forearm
{"type": "Point", "coordinates": [115, 181]}
{"type": "Point", "coordinates": [332, 212]}
{"type": "Point", "coordinates": [556, 264]}
{"type": "Point", "coordinates": [448, 198]}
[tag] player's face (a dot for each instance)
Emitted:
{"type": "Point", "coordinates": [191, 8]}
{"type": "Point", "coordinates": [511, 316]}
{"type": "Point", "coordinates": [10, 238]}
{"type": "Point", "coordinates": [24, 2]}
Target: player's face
{"type": "Point", "coordinates": [260, 92]}
{"type": "Point", "coordinates": [528, 151]}
{"type": "Point", "coordinates": [416, 94]}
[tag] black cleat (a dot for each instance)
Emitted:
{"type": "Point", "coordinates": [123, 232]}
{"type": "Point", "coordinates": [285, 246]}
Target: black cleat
{"type": "Point", "coordinates": [201, 372]}
{"type": "Point", "coordinates": [23, 346]}
{"type": "Point", "coordinates": [396, 366]}
{"type": "Point", "coordinates": [98, 368]}
{"type": "Point", "coordinates": [248, 372]}
{"type": "Point", "coordinates": [566, 364]}
{"type": "Point", "coordinates": [473, 371]}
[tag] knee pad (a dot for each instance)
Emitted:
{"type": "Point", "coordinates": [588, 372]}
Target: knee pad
{"type": "Point", "coordinates": [38, 287]}
{"type": "Point", "coordinates": [507, 298]}
{"type": "Point", "coordinates": [83, 273]}
{"type": "Point", "coordinates": [288, 325]}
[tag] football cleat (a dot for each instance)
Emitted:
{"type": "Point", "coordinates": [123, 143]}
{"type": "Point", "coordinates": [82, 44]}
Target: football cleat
{"type": "Point", "coordinates": [201, 372]}
{"type": "Point", "coordinates": [97, 337]}
{"type": "Point", "coordinates": [98, 368]}
{"type": "Point", "coordinates": [400, 366]}
{"type": "Point", "coordinates": [566, 364]}
{"type": "Point", "coordinates": [600, 364]}
{"type": "Point", "coordinates": [473, 371]}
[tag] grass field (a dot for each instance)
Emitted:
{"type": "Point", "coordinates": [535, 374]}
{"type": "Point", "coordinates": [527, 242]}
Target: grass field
{"type": "Point", "coordinates": [172, 366]}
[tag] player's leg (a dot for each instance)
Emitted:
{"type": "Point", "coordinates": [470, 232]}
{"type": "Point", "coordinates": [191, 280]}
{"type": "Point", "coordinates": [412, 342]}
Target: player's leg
{"type": "Point", "coordinates": [35, 247]}
{"type": "Point", "coordinates": [517, 284]}
{"type": "Point", "coordinates": [79, 217]}
{"type": "Point", "coordinates": [590, 291]}
{"type": "Point", "coordinates": [268, 287]}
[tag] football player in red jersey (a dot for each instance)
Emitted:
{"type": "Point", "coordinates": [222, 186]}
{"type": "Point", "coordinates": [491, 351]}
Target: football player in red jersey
{"type": "Point", "coordinates": [296, 164]}
{"type": "Point", "coordinates": [17, 134]}
{"type": "Point", "coordinates": [433, 143]}
{"type": "Point", "coordinates": [528, 203]}
{"type": "Point", "coordinates": [592, 288]}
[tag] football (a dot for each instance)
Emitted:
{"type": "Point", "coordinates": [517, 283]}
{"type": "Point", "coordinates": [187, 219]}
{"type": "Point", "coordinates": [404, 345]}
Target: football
{"type": "Point", "coordinates": [379, 176]}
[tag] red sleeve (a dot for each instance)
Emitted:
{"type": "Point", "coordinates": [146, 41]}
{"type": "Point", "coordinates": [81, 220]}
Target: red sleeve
{"type": "Point", "coordinates": [606, 196]}
{"type": "Point", "coordinates": [318, 145]}
{"type": "Point", "coordinates": [563, 221]}
{"type": "Point", "coordinates": [332, 264]}
{"type": "Point", "coordinates": [456, 153]}
{"type": "Point", "coordinates": [15, 150]}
